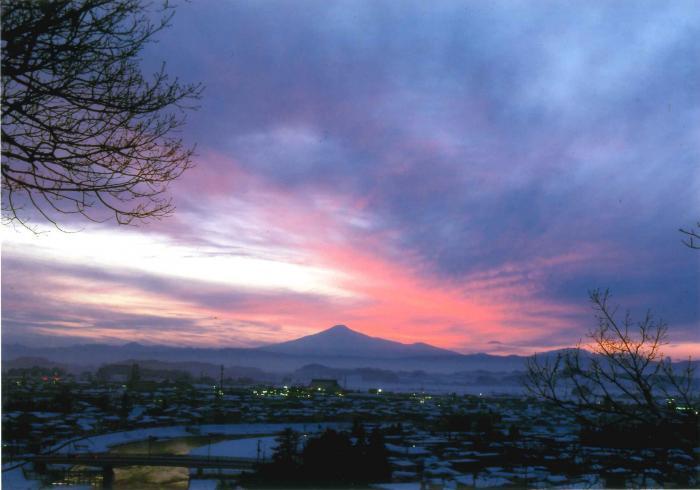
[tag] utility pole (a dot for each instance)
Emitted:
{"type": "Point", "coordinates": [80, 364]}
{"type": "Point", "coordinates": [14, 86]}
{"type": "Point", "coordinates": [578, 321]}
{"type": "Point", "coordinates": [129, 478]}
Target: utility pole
{"type": "Point", "coordinates": [150, 441]}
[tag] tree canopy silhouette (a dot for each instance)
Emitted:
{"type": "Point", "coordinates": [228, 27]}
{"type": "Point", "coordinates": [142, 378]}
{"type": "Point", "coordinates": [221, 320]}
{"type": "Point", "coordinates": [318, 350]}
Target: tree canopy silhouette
{"type": "Point", "coordinates": [83, 130]}
{"type": "Point", "coordinates": [622, 379]}
{"type": "Point", "coordinates": [328, 460]}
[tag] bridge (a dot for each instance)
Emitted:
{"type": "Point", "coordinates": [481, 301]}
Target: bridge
{"type": "Point", "coordinates": [109, 461]}
{"type": "Point", "coordinates": [118, 460]}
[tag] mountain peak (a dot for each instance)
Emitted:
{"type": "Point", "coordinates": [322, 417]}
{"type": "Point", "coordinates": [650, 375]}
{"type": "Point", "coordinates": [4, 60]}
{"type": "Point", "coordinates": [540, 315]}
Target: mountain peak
{"type": "Point", "coordinates": [340, 340]}
{"type": "Point", "coordinates": [339, 328]}
{"type": "Point", "coordinates": [338, 333]}
{"type": "Point", "coordinates": [132, 345]}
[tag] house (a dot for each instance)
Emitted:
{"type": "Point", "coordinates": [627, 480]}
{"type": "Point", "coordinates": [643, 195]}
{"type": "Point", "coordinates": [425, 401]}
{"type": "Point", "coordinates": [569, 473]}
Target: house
{"type": "Point", "coordinates": [328, 385]}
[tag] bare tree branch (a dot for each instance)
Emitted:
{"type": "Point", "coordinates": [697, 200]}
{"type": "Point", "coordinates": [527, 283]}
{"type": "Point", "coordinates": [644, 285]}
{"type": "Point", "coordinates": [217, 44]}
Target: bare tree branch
{"type": "Point", "coordinates": [83, 131]}
{"type": "Point", "coordinates": [692, 237]}
{"type": "Point", "coordinates": [620, 376]}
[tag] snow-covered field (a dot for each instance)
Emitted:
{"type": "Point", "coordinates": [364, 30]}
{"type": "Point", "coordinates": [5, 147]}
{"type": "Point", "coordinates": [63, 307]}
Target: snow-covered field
{"type": "Point", "coordinates": [203, 484]}
{"type": "Point", "coordinates": [104, 442]}
{"type": "Point", "coordinates": [15, 480]}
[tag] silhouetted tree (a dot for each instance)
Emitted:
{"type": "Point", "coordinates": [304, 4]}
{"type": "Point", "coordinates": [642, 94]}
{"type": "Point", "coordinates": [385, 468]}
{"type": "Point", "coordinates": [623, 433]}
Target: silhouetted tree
{"type": "Point", "coordinates": [485, 424]}
{"type": "Point", "coordinates": [513, 432]}
{"type": "Point", "coordinates": [376, 461]}
{"type": "Point", "coordinates": [83, 131]}
{"type": "Point", "coordinates": [358, 431]}
{"type": "Point", "coordinates": [327, 460]}
{"type": "Point", "coordinates": [125, 405]}
{"type": "Point", "coordinates": [103, 402]}
{"type": "Point", "coordinates": [622, 380]}
{"type": "Point", "coordinates": [134, 377]}
{"type": "Point", "coordinates": [287, 451]}
{"type": "Point", "coordinates": [63, 399]}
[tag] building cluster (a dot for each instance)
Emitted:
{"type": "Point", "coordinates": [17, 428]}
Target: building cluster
{"type": "Point", "coordinates": [434, 440]}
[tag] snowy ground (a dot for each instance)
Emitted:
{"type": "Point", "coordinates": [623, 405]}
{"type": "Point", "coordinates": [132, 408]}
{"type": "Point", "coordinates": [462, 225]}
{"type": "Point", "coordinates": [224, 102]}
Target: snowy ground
{"type": "Point", "coordinates": [15, 480]}
{"type": "Point", "coordinates": [104, 442]}
{"type": "Point", "coordinates": [203, 484]}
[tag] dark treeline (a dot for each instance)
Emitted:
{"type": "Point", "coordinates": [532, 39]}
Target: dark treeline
{"type": "Point", "coordinates": [334, 458]}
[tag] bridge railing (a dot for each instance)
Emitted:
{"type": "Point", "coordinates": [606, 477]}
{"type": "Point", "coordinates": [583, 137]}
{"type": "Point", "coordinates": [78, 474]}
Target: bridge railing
{"type": "Point", "coordinates": [111, 459]}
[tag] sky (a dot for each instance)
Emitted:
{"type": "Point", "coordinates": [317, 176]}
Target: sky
{"type": "Point", "coordinates": [456, 173]}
